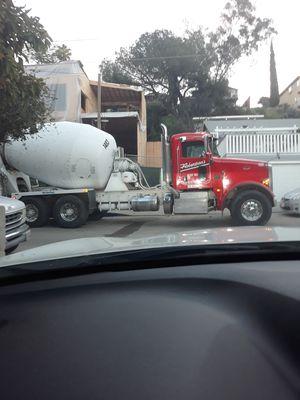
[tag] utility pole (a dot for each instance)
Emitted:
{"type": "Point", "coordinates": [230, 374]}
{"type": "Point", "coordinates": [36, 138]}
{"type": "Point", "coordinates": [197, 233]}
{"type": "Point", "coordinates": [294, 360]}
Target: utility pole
{"type": "Point", "coordinates": [99, 100]}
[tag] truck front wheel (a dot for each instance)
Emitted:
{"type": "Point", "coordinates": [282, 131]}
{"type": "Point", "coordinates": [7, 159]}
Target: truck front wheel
{"type": "Point", "coordinates": [251, 207]}
{"type": "Point", "coordinates": [70, 212]}
{"type": "Point", "coordinates": [37, 212]}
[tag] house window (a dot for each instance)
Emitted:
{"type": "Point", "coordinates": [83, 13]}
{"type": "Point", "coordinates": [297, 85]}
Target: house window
{"type": "Point", "coordinates": [83, 101]}
{"type": "Point", "coordinates": [290, 89]}
{"type": "Point", "coordinates": [58, 97]}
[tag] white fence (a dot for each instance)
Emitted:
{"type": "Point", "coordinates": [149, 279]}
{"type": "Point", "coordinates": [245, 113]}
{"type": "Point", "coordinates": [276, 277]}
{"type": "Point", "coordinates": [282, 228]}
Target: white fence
{"type": "Point", "coordinates": [263, 144]}
{"type": "Point", "coordinates": [261, 141]}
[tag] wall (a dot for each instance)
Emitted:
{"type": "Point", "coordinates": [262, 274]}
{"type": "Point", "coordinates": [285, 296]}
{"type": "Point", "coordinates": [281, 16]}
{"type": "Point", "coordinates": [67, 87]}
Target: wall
{"type": "Point", "coordinates": [71, 111]}
{"type": "Point", "coordinates": [286, 177]}
{"type": "Point", "coordinates": [91, 100]}
{"type": "Point", "coordinates": [153, 155]}
{"type": "Point", "coordinates": [291, 96]}
{"type": "Point", "coordinates": [66, 81]}
{"type": "Point", "coordinates": [142, 132]}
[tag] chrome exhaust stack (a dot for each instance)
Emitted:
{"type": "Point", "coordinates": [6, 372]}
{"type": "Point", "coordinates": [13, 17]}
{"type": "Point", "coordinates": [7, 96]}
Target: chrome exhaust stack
{"type": "Point", "coordinates": [170, 193]}
{"type": "Point", "coordinates": [166, 157]}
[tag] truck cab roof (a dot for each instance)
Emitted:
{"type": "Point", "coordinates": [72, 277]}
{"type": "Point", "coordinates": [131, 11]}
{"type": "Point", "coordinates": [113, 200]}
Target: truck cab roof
{"type": "Point", "coordinates": [191, 136]}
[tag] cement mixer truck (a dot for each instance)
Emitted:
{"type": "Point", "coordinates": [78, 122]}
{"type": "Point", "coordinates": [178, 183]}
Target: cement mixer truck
{"type": "Point", "coordinates": [80, 172]}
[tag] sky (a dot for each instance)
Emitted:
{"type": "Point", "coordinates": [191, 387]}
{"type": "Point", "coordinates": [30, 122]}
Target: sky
{"type": "Point", "coordinates": [95, 30]}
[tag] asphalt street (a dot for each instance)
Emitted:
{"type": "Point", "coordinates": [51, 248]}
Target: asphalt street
{"type": "Point", "coordinates": [143, 225]}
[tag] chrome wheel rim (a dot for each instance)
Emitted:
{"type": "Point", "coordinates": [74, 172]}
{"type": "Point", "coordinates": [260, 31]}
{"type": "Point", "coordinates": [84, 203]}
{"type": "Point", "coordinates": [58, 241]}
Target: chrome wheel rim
{"type": "Point", "coordinates": [32, 213]}
{"type": "Point", "coordinates": [252, 210]}
{"type": "Point", "coordinates": [69, 212]}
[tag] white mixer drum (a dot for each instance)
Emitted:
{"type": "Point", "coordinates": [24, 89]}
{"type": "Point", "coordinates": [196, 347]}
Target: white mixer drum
{"type": "Point", "coordinates": [67, 155]}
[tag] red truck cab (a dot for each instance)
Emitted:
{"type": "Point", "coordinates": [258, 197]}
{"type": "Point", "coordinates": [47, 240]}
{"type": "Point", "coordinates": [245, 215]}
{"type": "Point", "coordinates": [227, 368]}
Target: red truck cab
{"type": "Point", "coordinates": [242, 186]}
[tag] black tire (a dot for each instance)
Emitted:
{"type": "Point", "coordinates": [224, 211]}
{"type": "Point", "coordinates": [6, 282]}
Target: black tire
{"type": "Point", "coordinates": [252, 204]}
{"type": "Point", "coordinates": [97, 215]}
{"type": "Point", "coordinates": [40, 207]}
{"type": "Point", "coordinates": [22, 187]}
{"type": "Point", "coordinates": [77, 208]}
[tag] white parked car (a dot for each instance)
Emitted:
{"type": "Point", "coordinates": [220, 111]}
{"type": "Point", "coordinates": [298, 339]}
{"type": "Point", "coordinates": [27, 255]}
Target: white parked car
{"type": "Point", "coordinates": [291, 201]}
{"type": "Point", "coordinates": [16, 229]}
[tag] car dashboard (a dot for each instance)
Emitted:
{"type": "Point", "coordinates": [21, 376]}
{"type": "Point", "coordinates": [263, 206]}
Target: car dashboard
{"type": "Point", "coordinates": [214, 331]}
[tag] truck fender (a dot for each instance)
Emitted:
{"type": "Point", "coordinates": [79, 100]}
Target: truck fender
{"type": "Point", "coordinates": [247, 186]}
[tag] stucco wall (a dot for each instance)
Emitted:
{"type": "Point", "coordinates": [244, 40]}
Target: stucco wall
{"type": "Point", "coordinates": [291, 96]}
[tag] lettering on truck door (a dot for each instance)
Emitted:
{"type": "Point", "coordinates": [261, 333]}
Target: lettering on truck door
{"type": "Point", "coordinates": [194, 165]}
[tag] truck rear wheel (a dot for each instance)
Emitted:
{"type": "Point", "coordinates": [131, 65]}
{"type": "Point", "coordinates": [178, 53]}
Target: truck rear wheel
{"type": "Point", "coordinates": [37, 212]}
{"type": "Point", "coordinates": [251, 207]}
{"type": "Point", "coordinates": [70, 212]}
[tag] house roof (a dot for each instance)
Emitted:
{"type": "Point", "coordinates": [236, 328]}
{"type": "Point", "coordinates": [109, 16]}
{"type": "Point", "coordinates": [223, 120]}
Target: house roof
{"type": "Point", "coordinates": [212, 125]}
{"type": "Point", "coordinates": [295, 80]}
{"type": "Point", "coordinates": [71, 67]}
{"type": "Point", "coordinates": [114, 114]}
{"type": "Point", "coordinates": [114, 93]}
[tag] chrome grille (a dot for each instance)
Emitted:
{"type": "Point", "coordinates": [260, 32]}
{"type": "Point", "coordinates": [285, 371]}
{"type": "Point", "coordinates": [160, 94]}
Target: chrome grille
{"type": "Point", "coordinates": [13, 220]}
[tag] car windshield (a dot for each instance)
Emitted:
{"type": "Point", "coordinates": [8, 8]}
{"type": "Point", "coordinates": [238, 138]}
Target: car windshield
{"type": "Point", "coordinates": [140, 125]}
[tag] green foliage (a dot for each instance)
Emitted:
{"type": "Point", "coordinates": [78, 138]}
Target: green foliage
{"type": "Point", "coordinates": [264, 101]}
{"type": "Point", "coordinates": [240, 33]}
{"type": "Point", "coordinates": [52, 55]}
{"type": "Point", "coordinates": [155, 113]}
{"type": "Point", "coordinates": [111, 73]}
{"type": "Point", "coordinates": [22, 106]}
{"type": "Point", "coordinates": [280, 112]}
{"type": "Point", "coordinates": [274, 91]}
{"type": "Point", "coordinates": [188, 75]}
{"type": "Point", "coordinates": [62, 53]}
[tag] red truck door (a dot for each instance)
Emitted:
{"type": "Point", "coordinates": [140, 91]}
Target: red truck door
{"type": "Point", "coordinates": [194, 165]}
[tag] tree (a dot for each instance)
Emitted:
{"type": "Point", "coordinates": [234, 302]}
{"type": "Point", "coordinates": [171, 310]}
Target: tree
{"type": "Point", "coordinates": [239, 34]}
{"type": "Point", "coordinates": [111, 73]}
{"type": "Point", "coordinates": [22, 106]}
{"type": "Point", "coordinates": [264, 101]}
{"type": "Point", "coordinates": [52, 55]}
{"type": "Point", "coordinates": [189, 74]}
{"type": "Point", "coordinates": [274, 91]}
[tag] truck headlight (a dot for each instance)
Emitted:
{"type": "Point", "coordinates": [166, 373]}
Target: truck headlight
{"type": "Point", "coordinates": [266, 182]}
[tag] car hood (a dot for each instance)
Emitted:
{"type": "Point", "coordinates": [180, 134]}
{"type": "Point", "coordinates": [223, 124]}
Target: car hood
{"type": "Point", "coordinates": [241, 161]}
{"type": "Point", "coordinates": [105, 245]}
{"type": "Point", "coordinates": [293, 194]}
{"type": "Point", "coordinates": [11, 205]}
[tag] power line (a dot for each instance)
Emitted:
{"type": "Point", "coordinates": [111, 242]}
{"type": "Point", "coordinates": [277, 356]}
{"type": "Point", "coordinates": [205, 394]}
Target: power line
{"type": "Point", "coordinates": [155, 58]}
{"type": "Point", "coordinates": [77, 40]}
{"type": "Point", "coordinates": [167, 57]}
